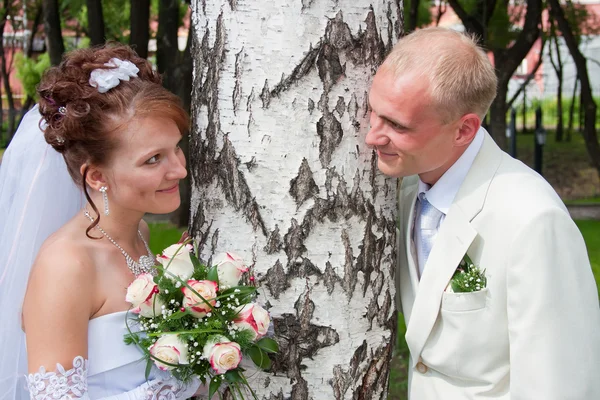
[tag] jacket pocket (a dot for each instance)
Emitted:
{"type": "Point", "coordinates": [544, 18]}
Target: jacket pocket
{"type": "Point", "coordinates": [469, 301]}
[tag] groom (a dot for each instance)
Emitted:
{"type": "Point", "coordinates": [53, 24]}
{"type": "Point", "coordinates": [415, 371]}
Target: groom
{"type": "Point", "coordinates": [531, 328]}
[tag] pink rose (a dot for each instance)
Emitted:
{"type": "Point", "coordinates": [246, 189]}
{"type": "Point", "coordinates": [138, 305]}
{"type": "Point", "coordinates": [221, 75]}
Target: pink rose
{"type": "Point", "coordinates": [197, 306]}
{"type": "Point", "coordinates": [230, 268]}
{"type": "Point", "coordinates": [176, 259]}
{"type": "Point", "coordinates": [223, 354]}
{"type": "Point", "coordinates": [141, 293]}
{"type": "Point", "coordinates": [170, 349]}
{"type": "Point", "coordinates": [254, 318]}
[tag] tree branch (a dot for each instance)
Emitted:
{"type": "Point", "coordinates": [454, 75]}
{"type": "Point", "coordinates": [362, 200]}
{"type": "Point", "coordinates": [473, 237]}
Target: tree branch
{"type": "Point", "coordinates": [528, 79]}
{"type": "Point", "coordinates": [471, 24]}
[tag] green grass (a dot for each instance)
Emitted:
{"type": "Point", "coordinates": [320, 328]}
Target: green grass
{"type": "Point", "coordinates": [165, 234]}
{"type": "Point", "coordinates": [589, 200]}
{"type": "Point", "coordinates": [566, 165]}
{"type": "Point", "coordinates": [591, 234]}
{"type": "Point", "coordinates": [162, 235]}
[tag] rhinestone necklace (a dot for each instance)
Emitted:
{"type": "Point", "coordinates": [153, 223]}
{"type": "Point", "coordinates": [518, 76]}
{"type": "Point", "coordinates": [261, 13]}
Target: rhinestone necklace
{"type": "Point", "coordinates": [145, 263]}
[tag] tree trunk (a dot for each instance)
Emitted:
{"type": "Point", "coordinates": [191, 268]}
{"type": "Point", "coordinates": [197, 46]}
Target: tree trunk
{"type": "Point", "coordinates": [6, 78]}
{"type": "Point", "coordinates": [558, 69]}
{"type": "Point", "coordinates": [506, 60]}
{"type": "Point", "coordinates": [413, 15]}
{"type": "Point", "coordinates": [281, 175]}
{"type": "Point", "coordinates": [140, 26]}
{"type": "Point", "coordinates": [167, 50]}
{"type": "Point", "coordinates": [572, 110]}
{"type": "Point", "coordinates": [95, 22]}
{"type": "Point", "coordinates": [587, 100]}
{"type": "Point", "coordinates": [54, 40]}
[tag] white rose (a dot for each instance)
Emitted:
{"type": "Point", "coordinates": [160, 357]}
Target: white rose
{"type": "Point", "coordinates": [230, 268]}
{"type": "Point", "coordinates": [170, 349]}
{"type": "Point", "coordinates": [176, 259]}
{"type": "Point", "coordinates": [196, 305]}
{"type": "Point", "coordinates": [223, 354]}
{"type": "Point", "coordinates": [141, 293]}
{"type": "Point", "coordinates": [254, 318]}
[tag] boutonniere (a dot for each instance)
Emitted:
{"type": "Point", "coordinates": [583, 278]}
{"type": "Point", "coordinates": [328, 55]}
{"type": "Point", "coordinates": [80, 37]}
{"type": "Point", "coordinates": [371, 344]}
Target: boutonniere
{"type": "Point", "coordinates": [467, 278]}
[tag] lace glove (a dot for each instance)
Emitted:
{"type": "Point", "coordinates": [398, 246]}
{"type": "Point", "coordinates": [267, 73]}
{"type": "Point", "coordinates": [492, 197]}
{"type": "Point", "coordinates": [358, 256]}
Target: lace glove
{"type": "Point", "coordinates": [65, 385]}
{"type": "Point", "coordinates": [72, 385]}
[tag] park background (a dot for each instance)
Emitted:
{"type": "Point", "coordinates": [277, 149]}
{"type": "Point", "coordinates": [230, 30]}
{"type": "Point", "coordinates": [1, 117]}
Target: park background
{"type": "Point", "coordinates": [549, 92]}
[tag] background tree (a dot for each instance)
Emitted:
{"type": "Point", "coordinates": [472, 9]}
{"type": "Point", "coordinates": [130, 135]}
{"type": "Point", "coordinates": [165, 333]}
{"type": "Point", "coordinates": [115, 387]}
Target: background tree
{"type": "Point", "coordinates": [587, 100]}
{"type": "Point", "coordinates": [494, 23]}
{"type": "Point", "coordinates": [281, 175]}
{"type": "Point", "coordinates": [54, 40]}
{"type": "Point", "coordinates": [140, 26]}
{"type": "Point", "coordinates": [6, 61]}
{"type": "Point", "coordinates": [95, 18]}
{"type": "Point", "coordinates": [556, 59]}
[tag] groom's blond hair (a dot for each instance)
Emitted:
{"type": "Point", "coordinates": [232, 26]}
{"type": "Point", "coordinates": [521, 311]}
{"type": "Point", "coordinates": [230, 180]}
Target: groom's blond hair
{"type": "Point", "coordinates": [461, 76]}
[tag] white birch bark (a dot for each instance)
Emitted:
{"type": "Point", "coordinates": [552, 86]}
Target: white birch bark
{"type": "Point", "coordinates": [281, 176]}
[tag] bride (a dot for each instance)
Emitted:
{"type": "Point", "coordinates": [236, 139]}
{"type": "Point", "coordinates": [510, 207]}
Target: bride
{"type": "Point", "coordinates": [118, 130]}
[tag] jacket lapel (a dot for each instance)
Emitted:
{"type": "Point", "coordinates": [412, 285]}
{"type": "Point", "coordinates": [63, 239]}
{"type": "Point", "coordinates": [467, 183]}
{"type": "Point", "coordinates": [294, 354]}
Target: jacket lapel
{"type": "Point", "coordinates": [407, 271]}
{"type": "Point", "coordinates": [451, 244]}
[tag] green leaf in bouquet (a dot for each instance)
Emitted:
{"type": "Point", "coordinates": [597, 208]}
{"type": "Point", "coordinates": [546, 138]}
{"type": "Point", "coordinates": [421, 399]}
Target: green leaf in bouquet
{"type": "Point", "coordinates": [215, 382]}
{"type": "Point", "coordinates": [179, 314]}
{"type": "Point", "coordinates": [239, 291]}
{"type": "Point", "coordinates": [233, 376]}
{"type": "Point", "coordinates": [195, 262]}
{"type": "Point", "coordinates": [149, 363]}
{"type": "Point", "coordinates": [268, 345]}
{"type": "Point", "coordinates": [213, 275]}
{"type": "Point", "coordinates": [260, 358]}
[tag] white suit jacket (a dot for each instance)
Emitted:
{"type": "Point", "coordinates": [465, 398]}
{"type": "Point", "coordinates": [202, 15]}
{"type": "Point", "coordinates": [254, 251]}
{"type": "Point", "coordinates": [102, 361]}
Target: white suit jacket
{"type": "Point", "coordinates": [534, 331]}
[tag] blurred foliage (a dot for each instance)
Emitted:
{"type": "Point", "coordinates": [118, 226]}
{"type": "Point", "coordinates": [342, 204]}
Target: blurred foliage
{"type": "Point", "coordinates": [30, 70]}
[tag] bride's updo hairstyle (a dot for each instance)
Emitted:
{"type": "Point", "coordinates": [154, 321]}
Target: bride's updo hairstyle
{"type": "Point", "coordinates": [84, 124]}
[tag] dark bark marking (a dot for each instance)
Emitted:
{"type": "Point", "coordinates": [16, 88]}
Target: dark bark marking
{"type": "Point", "coordinates": [377, 374]}
{"type": "Point", "coordinates": [330, 132]}
{"type": "Point", "coordinates": [306, 4]}
{"type": "Point", "coordinates": [329, 66]}
{"type": "Point", "coordinates": [235, 187]}
{"type": "Point", "coordinates": [303, 186]}
{"type": "Point", "coordinates": [250, 100]}
{"type": "Point", "coordinates": [294, 241]}
{"type": "Point", "coordinates": [373, 175]}
{"type": "Point", "coordinates": [330, 278]}
{"type": "Point", "coordinates": [276, 280]}
{"type": "Point", "coordinates": [237, 89]}
{"type": "Point", "coordinates": [251, 164]}
{"type": "Point", "coordinates": [340, 106]}
{"type": "Point", "coordinates": [311, 106]}
{"type": "Point", "coordinates": [274, 243]}
{"type": "Point", "coordinates": [365, 105]}
{"type": "Point", "coordinates": [265, 95]}
{"type": "Point", "coordinates": [350, 278]}
{"type": "Point", "coordinates": [300, 339]}
{"type": "Point", "coordinates": [353, 107]}
{"type": "Point", "coordinates": [298, 73]}
{"type": "Point", "coordinates": [233, 5]}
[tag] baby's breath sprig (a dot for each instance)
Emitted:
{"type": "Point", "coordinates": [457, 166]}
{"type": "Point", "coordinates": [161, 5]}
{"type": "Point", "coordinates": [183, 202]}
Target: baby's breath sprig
{"type": "Point", "coordinates": [468, 277]}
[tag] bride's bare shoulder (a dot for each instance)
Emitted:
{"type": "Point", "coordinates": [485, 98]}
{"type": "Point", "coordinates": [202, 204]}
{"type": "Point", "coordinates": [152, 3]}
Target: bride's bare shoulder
{"type": "Point", "coordinates": [64, 263]}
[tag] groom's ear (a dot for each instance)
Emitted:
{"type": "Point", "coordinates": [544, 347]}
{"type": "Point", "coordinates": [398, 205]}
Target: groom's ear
{"type": "Point", "coordinates": [94, 177]}
{"type": "Point", "coordinates": [468, 126]}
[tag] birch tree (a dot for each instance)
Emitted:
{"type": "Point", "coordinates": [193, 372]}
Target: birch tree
{"type": "Point", "coordinates": [281, 175]}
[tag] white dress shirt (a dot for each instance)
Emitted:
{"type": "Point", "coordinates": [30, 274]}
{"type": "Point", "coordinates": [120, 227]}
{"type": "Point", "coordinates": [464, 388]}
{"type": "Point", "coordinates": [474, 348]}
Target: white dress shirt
{"type": "Point", "coordinates": [442, 193]}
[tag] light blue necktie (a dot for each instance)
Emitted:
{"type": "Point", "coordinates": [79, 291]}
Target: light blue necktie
{"type": "Point", "coordinates": [427, 223]}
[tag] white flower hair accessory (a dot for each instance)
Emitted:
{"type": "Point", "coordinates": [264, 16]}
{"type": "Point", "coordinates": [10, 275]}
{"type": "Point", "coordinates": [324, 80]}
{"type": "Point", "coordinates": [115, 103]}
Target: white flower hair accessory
{"type": "Point", "coordinates": [106, 79]}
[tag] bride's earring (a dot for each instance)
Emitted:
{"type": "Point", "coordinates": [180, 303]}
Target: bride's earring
{"type": "Point", "coordinates": [103, 190]}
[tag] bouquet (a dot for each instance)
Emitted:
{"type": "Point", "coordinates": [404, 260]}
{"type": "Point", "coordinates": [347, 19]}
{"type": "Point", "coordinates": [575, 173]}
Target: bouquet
{"type": "Point", "coordinates": [199, 320]}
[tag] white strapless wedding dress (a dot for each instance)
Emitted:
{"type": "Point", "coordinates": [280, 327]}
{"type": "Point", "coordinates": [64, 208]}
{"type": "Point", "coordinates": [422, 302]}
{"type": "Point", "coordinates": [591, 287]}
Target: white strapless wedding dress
{"type": "Point", "coordinates": [114, 371]}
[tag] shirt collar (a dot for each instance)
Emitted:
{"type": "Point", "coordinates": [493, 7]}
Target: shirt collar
{"type": "Point", "coordinates": [442, 194]}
